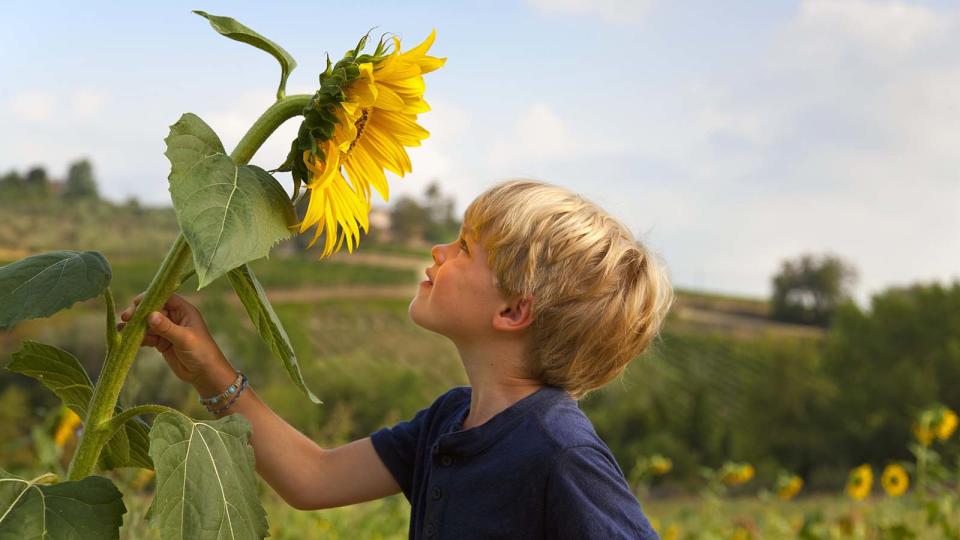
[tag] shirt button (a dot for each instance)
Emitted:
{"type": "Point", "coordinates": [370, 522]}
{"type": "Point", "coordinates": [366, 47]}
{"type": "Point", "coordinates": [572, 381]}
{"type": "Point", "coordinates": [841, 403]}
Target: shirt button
{"type": "Point", "coordinates": [446, 461]}
{"type": "Point", "coordinates": [437, 493]}
{"type": "Point", "coordinates": [430, 530]}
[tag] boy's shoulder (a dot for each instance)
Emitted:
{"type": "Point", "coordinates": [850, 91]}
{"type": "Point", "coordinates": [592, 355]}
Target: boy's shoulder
{"type": "Point", "coordinates": [562, 422]}
{"type": "Point", "coordinates": [548, 416]}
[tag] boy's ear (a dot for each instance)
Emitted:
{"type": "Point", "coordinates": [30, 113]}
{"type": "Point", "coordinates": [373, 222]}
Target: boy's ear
{"type": "Point", "coordinates": [515, 315]}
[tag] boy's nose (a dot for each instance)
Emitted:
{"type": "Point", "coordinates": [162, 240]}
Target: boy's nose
{"type": "Point", "coordinates": [437, 253]}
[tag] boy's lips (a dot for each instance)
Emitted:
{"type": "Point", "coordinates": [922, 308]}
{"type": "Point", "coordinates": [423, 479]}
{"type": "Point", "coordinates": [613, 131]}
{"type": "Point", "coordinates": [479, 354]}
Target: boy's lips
{"type": "Point", "coordinates": [429, 280]}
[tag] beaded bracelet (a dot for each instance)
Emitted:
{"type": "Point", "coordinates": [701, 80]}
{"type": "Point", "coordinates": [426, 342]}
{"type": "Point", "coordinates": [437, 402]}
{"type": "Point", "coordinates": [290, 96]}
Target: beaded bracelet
{"type": "Point", "coordinates": [232, 389]}
{"type": "Point", "coordinates": [243, 384]}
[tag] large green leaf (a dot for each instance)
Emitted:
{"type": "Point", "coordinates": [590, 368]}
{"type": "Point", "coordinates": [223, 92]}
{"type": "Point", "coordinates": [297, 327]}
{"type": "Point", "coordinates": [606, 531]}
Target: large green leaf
{"type": "Point", "coordinates": [43, 284]}
{"type": "Point", "coordinates": [206, 487]}
{"type": "Point", "coordinates": [63, 374]}
{"type": "Point", "coordinates": [268, 325]}
{"type": "Point", "coordinates": [89, 509]}
{"type": "Point", "coordinates": [230, 214]}
{"type": "Point", "coordinates": [236, 31]}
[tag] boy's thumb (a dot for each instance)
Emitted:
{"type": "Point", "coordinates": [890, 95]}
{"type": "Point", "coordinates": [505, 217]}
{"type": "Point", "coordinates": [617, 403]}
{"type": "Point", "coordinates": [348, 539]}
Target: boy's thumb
{"type": "Point", "coordinates": [163, 326]}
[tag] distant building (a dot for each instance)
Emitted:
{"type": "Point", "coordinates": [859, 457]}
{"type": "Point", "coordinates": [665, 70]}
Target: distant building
{"type": "Point", "coordinates": [380, 222]}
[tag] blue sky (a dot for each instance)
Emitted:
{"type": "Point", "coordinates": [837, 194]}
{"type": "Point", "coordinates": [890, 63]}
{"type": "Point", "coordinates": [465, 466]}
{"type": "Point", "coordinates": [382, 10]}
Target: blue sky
{"type": "Point", "coordinates": [727, 135]}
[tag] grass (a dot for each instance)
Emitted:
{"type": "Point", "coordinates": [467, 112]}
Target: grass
{"type": "Point", "coordinates": [383, 519]}
{"type": "Point", "coordinates": [825, 516]}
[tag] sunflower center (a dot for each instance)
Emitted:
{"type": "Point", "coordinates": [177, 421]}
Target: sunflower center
{"type": "Point", "coordinates": [360, 124]}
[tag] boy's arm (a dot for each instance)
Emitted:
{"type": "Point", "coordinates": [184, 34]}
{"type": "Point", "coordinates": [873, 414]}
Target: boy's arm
{"type": "Point", "coordinates": [307, 476]}
{"type": "Point", "coordinates": [304, 474]}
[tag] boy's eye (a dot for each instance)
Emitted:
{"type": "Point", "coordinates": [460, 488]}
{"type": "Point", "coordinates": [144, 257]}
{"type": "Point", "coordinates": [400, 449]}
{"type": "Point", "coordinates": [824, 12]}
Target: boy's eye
{"type": "Point", "coordinates": [463, 246]}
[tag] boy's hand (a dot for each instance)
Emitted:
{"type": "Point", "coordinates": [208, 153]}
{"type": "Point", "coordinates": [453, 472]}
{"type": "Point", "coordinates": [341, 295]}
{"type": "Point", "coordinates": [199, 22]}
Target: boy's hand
{"type": "Point", "coordinates": [180, 334]}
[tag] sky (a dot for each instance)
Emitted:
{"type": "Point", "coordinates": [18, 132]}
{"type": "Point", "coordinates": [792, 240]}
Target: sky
{"type": "Point", "coordinates": [729, 136]}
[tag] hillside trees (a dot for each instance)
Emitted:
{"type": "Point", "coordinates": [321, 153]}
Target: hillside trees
{"type": "Point", "coordinates": [809, 289]}
{"type": "Point", "coordinates": [80, 182]}
{"type": "Point", "coordinates": [36, 184]}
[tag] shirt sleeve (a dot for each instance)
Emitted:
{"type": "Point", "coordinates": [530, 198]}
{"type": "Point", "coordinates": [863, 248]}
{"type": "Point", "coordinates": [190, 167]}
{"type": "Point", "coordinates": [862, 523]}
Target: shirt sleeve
{"type": "Point", "coordinates": [587, 497]}
{"type": "Point", "coordinates": [397, 448]}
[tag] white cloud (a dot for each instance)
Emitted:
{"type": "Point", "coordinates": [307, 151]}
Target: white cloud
{"type": "Point", "coordinates": [540, 137]}
{"type": "Point", "coordinates": [840, 137]}
{"type": "Point", "coordinates": [614, 11]}
{"type": "Point", "coordinates": [32, 106]}
{"type": "Point", "coordinates": [87, 103]}
{"type": "Point", "coordinates": [882, 27]}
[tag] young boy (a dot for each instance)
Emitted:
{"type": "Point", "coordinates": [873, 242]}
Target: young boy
{"type": "Point", "coordinates": [546, 297]}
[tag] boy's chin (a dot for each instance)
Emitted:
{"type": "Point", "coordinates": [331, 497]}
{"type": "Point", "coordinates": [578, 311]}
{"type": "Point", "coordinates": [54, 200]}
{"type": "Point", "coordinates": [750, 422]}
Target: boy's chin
{"type": "Point", "coordinates": [420, 319]}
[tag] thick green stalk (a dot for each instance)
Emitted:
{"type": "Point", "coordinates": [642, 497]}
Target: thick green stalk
{"type": "Point", "coordinates": [113, 337]}
{"type": "Point", "coordinates": [119, 360]}
{"type": "Point", "coordinates": [97, 424]}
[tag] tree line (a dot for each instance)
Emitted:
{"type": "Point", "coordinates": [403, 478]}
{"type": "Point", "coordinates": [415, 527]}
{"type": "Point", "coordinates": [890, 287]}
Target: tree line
{"type": "Point", "coordinates": [36, 183]}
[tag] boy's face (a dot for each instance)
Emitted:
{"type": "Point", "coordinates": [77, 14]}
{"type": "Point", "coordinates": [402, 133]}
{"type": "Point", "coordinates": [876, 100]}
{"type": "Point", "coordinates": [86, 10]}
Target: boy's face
{"type": "Point", "coordinates": [458, 299]}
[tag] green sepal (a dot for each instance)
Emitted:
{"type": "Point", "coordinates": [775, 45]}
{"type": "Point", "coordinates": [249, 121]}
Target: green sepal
{"type": "Point", "coordinates": [88, 509]}
{"type": "Point", "coordinates": [319, 117]}
{"type": "Point", "coordinates": [255, 301]}
{"type": "Point", "coordinates": [206, 488]}
{"type": "Point", "coordinates": [233, 29]}
{"type": "Point", "coordinates": [43, 284]}
{"type": "Point", "coordinates": [230, 214]}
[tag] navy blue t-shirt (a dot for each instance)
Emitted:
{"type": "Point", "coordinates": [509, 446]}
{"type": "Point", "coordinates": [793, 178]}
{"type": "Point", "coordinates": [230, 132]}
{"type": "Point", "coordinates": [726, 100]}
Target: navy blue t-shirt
{"type": "Point", "coordinates": [535, 470]}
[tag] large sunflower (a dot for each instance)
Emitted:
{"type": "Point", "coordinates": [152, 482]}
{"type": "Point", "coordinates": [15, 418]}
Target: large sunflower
{"type": "Point", "coordinates": [359, 125]}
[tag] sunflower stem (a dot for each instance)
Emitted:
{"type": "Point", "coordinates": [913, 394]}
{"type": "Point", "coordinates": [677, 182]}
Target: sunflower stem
{"type": "Point", "coordinates": [100, 422]}
{"type": "Point", "coordinates": [278, 113]}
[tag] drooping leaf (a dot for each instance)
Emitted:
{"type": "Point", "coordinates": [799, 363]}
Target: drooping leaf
{"type": "Point", "coordinates": [235, 30]}
{"type": "Point", "coordinates": [43, 284]}
{"type": "Point", "coordinates": [58, 370]}
{"type": "Point", "coordinates": [261, 313]}
{"type": "Point", "coordinates": [230, 214]}
{"type": "Point", "coordinates": [129, 447]}
{"type": "Point", "coordinates": [206, 487]}
{"type": "Point", "coordinates": [63, 374]}
{"type": "Point", "coordinates": [89, 509]}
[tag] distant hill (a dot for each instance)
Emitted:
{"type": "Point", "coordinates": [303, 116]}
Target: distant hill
{"type": "Point", "coordinates": [130, 235]}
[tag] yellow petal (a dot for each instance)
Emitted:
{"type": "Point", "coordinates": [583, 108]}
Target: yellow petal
{"type": "Point", "coordinates": [389, 100]}
{"type": "Point", "coordinates": [403, 127]}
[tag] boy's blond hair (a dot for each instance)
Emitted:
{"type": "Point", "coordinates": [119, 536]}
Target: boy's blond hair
{"type": "Point", "coordinates": [599, 296]}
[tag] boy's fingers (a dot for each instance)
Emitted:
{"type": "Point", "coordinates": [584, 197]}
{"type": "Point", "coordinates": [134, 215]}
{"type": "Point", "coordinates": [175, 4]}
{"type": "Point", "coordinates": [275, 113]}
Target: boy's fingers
{"type": "Point", "coordinates": [125, 319]}
{"type": "Point", "coordinates": [163, 326]}
{"type": "Point", "coordinates": [127, 313]}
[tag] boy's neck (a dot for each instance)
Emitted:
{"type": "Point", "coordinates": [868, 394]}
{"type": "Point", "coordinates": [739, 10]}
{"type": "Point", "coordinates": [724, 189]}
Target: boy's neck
{"type": "Point", "coordinates": [497, 380]}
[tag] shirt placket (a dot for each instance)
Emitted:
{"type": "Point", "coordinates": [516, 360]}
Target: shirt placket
{"type": "Point", "coordinates": [442, 472]}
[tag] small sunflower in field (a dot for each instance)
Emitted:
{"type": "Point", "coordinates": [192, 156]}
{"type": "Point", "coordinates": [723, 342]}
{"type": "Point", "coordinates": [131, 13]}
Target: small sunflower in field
{"type": "Point", "coordinates": [937, 423]}
{"type": "Point", "coordinates": [357, 126]}
{"type": "Point", "coordinates": [659, 465]}
{"type": "Point", "coordinates": [895, 480]}
{"type": "Point", "coordinates": [860, 482]}
{"type": "Point", "coordinates": [67, 428]}
{"type": "Point", "coordinates": [735, 474]}
{"type": "Point", "coordinates": [788, 486]}
{"type": "Point", "coordinates": [947, 425]}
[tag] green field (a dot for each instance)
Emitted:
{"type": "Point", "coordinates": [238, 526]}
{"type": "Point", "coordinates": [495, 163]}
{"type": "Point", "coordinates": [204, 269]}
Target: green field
{"type": "Point", "coordinates": [722, 383]}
